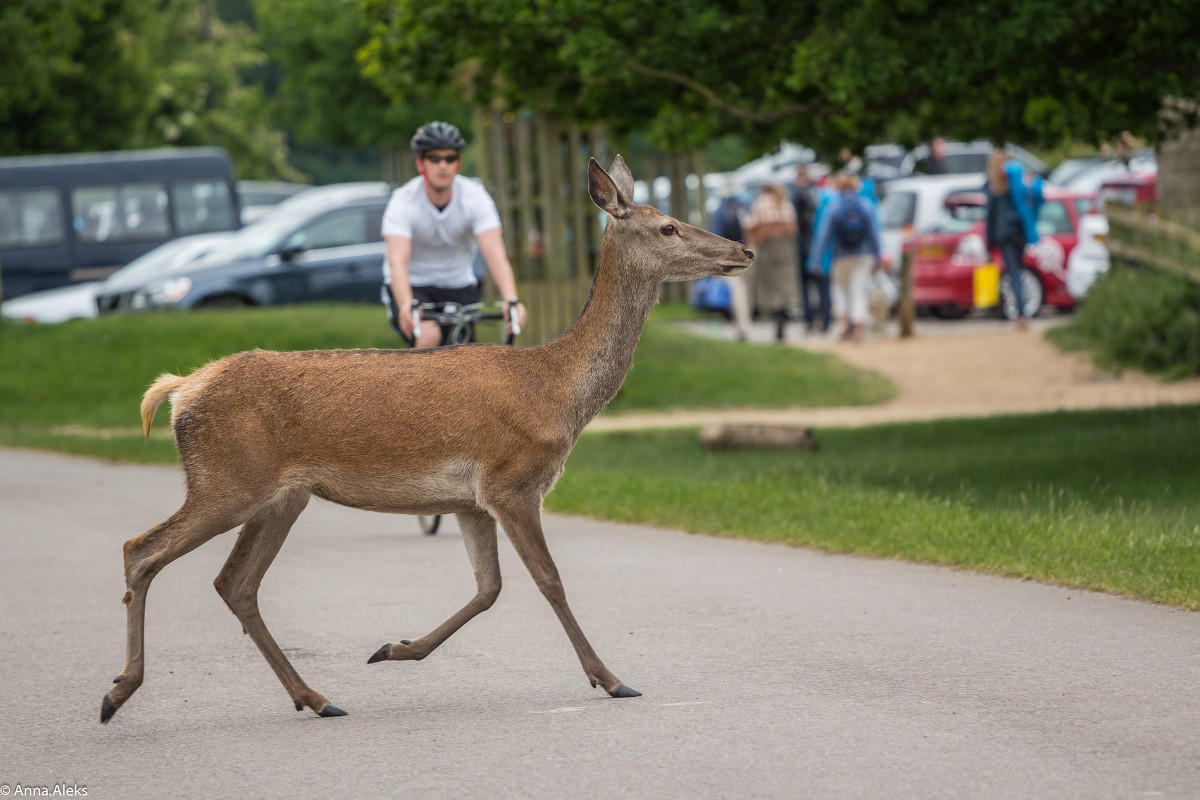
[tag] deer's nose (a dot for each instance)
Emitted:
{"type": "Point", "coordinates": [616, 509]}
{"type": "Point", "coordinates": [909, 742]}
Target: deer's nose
{"type": "Point", "coordinates": [749, 253]}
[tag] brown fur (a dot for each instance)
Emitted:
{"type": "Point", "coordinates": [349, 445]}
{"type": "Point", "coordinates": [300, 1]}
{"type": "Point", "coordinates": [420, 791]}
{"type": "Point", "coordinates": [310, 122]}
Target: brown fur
{"type": "Point", "coordinates": [481, 431]}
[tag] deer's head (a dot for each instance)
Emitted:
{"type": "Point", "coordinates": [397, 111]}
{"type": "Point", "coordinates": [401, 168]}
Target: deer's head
{"type": "Point", "coordinates": [658, 246]}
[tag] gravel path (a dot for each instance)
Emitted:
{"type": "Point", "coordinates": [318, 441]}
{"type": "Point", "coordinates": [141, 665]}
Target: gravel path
{"type": "Point", "coordinates": [961, 368]}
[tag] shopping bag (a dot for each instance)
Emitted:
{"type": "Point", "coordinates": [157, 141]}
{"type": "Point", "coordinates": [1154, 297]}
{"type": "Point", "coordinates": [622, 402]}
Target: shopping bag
{"type": "Point", "coordinates": [986, 284]}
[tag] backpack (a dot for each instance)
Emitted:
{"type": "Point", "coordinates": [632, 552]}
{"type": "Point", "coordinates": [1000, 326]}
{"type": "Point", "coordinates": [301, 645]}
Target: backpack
{"type": "Point", "coordinates": [851, 225]}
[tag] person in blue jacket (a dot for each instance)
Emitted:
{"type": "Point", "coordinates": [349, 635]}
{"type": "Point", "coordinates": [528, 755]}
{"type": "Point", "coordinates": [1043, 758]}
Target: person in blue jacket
{"type": "Point", "coordinates": [849, 229]}
{"type": "Point", "coordinates": [1012, 212]}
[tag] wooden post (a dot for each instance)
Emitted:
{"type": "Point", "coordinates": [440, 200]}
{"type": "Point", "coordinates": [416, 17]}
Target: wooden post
{"type": "Point", "coordinates": [579, 221]}
{"type": "Point", "coordinates": [908, 309]}
{"type": "Point", "coordinates": [500, 183]}
{"type": "Point", "coordinates": [526, 223]}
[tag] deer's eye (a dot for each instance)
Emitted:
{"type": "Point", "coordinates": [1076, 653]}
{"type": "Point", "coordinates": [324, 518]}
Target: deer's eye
{"type": "Point", "coordinates": [668, 230]}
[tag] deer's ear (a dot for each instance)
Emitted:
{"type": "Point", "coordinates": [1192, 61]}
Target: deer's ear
{"type": "Point", "coordinates": [622, 177]}
{"type": "Point", "coordinates": [605, 192]}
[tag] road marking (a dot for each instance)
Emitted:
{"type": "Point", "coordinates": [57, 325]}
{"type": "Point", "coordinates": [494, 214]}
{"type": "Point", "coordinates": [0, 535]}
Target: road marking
{"type": "Point", "coordinates": [558, 710]}
{"type": "Point", "coordinates": [690, 703]}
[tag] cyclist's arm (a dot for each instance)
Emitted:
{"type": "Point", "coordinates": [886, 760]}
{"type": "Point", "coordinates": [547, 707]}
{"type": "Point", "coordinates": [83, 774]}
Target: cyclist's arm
{"type": "Point", "coordinates": [399, 250]}
{"type": "Point", "coordinates": [491, 247]}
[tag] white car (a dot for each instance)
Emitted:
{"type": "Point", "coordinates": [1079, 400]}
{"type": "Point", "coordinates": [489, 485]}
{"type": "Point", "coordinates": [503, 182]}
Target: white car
{"type": "Point", "coordinates": [1089, 258]}
{"type": "Point", "coordinates": [79, 300]}
{"type": "Point", "coordinates": [911, 205]}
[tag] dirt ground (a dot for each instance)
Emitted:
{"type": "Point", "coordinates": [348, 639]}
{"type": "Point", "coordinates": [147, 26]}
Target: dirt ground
{"type": "Point", "coordinates": [960, 368]}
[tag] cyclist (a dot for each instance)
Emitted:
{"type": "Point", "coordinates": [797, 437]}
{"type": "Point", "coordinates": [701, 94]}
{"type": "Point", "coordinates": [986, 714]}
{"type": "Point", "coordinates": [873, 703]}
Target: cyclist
{"type": "Point", "coordinates": [432, 229]}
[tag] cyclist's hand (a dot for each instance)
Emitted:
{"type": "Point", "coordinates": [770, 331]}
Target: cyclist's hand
{"type": "Point", "coordinates": [406, 324]}
{"type": "Point", "coordinates": [521, 317]}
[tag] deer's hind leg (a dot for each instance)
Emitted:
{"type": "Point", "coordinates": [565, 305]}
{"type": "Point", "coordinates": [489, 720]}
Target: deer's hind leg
{"type": "Point", "coordinates": [257, 545]}
{"type": "Point", "coordinates": [479, 535]}
{"type": "Point", "coordinates": [145, 556]}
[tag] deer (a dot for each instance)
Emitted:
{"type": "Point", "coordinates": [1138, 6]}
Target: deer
{"type": "Point", "coordinates": [481, 431]}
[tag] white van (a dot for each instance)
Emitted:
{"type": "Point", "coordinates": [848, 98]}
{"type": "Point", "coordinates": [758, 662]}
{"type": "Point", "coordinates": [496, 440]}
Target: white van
{"type": "Point", "coordinates": [911, 205]}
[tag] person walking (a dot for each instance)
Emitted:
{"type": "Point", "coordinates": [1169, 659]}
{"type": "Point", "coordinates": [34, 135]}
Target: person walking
{"type": "Point", "coordinates": [1012, 212]}
{"type": "Point", "coordinates": [804, 200]}
{"type": "Point", "coordinates": [433, 227]}
{"type": "Point", "coordinates": [849, 230]}
{"type": "Point", "coordinates": [726, 221]}
{"type": "Point", "coordinates": [771, 229]}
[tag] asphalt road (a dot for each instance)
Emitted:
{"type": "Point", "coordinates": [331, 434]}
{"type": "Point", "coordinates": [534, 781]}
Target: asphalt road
{"type": "Point", "coordinates": [766, 671]}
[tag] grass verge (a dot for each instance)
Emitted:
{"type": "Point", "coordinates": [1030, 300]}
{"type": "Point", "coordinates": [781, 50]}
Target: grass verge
{"type": "Point", "coordinates": [1099, 500]}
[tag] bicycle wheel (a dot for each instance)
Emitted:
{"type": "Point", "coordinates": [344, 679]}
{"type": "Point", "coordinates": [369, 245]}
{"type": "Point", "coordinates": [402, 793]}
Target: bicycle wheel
{"type": "Point", "coordinates": [429, 525]}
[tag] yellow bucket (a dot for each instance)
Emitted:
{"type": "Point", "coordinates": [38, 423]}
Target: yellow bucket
{"type": "Point", "coordinates": [986, 284]}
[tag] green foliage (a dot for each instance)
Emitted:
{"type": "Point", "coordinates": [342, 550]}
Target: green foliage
{"type": "Point", "coordinates": [83, 75]}
{"type": "Point", "coordinates": [73, 78]}
{"type": "Point", "coordinates": [824, 74]}
{"type": "Point", "coordinates": [196, 63]}
{"type": "Point", "coordinates": [1103, 500]}
{"type": "Point", "coordinates": [1142, 319]}
{"type": "Point", "coordinates": [323, 95]}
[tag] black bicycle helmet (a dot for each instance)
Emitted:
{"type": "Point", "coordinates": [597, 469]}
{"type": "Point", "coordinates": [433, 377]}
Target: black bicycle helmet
{"type": "Point", "coordinates": [437, 136]}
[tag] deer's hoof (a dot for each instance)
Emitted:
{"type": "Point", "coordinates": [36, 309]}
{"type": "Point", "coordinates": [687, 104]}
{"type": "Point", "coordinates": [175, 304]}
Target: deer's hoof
{"type": "Point", "coordinates": [331, 711]}
{"type": "Point", "coordinates": [624, 691]}
{"type": "Point", "coordinates": [381, 654]}
{"type": "Point", "coordinates": [107, 709]}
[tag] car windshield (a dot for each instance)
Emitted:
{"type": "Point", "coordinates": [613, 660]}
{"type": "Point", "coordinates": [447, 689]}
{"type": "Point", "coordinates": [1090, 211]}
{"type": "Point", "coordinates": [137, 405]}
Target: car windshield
{"type": "Point", "coordinates": [165, 258]}
{"type": "Point", "coordinates": [898, 209]}
{"type": "Point", "coordinates": [255, 240]}
{"type": "Point", "coordinates": [265, 234]}
{"type": "Point", "coordinates": [1065, 172]}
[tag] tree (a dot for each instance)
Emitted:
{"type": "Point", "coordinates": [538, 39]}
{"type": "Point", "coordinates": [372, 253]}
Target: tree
{"type": "Point", "coordinates": [825, 73]}
{"type": "Point", "coordinates": [196, 63]}
{"type": "Point", "coordinates": [72, 77]}
{"type": "Point", "coordinates": [324, 96]}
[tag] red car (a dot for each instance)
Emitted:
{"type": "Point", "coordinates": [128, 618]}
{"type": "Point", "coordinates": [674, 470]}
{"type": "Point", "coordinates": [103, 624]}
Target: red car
{"type": "Point", "coordinates": [946, 256]}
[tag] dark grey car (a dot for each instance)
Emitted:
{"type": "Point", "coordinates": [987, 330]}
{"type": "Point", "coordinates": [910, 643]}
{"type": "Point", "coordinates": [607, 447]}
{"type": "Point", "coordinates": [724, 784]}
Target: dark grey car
{"type": "Point", "coordinates": [322, 244]}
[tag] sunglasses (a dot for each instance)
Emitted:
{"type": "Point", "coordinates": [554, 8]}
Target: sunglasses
{"type": "Point", "coordinates": [442, 159]}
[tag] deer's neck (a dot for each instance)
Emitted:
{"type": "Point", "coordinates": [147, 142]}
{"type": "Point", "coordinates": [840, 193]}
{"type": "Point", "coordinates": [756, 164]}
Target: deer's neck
{"type": "Point", "coordinates": [596, 352]}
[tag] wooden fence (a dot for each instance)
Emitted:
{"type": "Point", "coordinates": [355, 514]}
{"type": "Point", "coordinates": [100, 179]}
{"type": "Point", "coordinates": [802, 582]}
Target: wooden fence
{"type": "Point", "coordinates": [1145, 239]}
{"type": "Point", "coordinates": [536, 169]}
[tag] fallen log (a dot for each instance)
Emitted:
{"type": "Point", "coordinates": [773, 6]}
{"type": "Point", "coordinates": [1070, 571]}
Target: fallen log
{"type": "Point", "coordinates": [741, 436]}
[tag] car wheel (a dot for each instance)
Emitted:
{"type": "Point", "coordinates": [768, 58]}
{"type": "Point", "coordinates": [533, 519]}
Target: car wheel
{"type": "Point", "coordinates": [1031, 288]}
{"type": "Point", "coordinates": [223, 301]}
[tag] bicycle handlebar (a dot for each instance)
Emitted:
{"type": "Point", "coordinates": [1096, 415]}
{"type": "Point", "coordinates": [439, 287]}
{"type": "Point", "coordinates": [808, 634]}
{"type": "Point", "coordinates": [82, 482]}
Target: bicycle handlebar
{"type": "Point", "coordinates": [453, 314]}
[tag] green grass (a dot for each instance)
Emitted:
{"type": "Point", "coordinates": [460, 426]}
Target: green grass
{"type": "Point", "coordinates": [1101, 500]}
{"type": "Point", "coordinates": [92, 373]}
{"type": "Point", "coordinates": [677, 370]}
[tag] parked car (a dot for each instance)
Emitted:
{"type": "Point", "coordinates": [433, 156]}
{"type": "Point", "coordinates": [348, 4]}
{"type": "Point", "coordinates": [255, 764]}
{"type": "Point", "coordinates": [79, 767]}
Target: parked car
{"type": "Point", "coordinates": [81, 300]}
{"type": "Point", "coordinates": [258, 197]}
{"type": "Point", "coordinates": [913, 204]}
{"type": "Point", "coordinates": [1089, 259]}
{"type": "Point", "coordinates": [969, 157]}
{"type": "Point", "coordinates": [946, 256]}
{"type": "Point", "coordinates": [1131, 188]}
{"type": "Point", "coordinates": [322, 244]}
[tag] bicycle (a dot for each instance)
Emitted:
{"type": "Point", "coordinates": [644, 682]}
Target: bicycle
{"type": "Point", "coordinates": [457, 322]}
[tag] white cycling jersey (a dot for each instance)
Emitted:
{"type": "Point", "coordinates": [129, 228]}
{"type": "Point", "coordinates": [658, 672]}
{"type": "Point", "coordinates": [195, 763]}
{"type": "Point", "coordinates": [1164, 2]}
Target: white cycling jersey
{"type": "Point", "coordinates": [443, 241]}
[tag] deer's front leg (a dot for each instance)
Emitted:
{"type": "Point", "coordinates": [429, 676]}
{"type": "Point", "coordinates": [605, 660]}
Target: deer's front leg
{"type": "Point", "coordinates": [479, 535]}
{"type": "Point", "coordinates": [524, 528]}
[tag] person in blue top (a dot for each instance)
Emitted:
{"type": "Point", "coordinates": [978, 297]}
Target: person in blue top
{"type": "Point", "coordinates": [848, 229]}
{"type": "Point", "coordinates": [1012, 212]}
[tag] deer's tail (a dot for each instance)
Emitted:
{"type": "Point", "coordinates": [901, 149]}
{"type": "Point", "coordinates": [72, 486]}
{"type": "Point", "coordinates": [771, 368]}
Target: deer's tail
{"type": "Point", "coordinates": [160, 390]}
